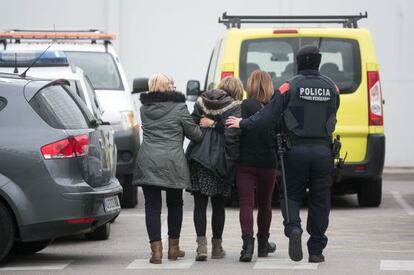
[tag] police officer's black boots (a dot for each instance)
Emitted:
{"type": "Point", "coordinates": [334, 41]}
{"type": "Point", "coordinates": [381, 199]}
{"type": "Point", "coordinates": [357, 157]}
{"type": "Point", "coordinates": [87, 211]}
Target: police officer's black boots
{"type": "Point", "coordinates": [246, 254]}
{"type": "Point", "coordinates": [295, 245]}
{"type": "Point", "coordinates": [316, 258]}
{"type": "Point", "coordinates": [264, 247]}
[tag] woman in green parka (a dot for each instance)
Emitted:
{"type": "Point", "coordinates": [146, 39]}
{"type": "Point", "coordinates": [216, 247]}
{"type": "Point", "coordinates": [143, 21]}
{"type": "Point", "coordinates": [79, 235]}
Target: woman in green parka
{"type": "Point", "coordinates": [161, 163]}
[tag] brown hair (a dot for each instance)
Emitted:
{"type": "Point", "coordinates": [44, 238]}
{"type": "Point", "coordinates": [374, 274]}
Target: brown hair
{"type": "Point", "coordinates": [260, 86]}
{"type": "Point", "coordinates": [233, 86]}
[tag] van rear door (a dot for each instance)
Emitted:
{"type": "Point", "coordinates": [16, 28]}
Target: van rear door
{"type": "Point", "coordinates": [341, 61]}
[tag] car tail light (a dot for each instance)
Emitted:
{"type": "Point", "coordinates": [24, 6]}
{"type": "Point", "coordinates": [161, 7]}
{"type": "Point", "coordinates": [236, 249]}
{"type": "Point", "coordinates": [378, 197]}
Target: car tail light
{"type": "Point", "coordinates": [360, 168]}
{"type": "Point", "coordinates": [225, 74]}
{"type": "Point", "coordinates": [80, 221]}
{"type": "Point", "coordinates": [375, 99]}
{"type": "Point", "coordinates": [76, 146]}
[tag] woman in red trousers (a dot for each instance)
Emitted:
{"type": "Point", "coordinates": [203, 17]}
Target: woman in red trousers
{"type": "Point", "coordinates": [256, 170]}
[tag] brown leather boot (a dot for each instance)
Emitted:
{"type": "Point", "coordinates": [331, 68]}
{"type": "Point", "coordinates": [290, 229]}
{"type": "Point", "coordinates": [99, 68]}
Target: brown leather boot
{"type": "Point", "coordinates": [174, 249]}
{"type": "Point", "coordinates": [156, 252]}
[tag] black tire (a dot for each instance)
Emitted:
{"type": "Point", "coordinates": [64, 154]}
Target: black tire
{"type": "Point", "coordinates": [28, 248]}
{"type": "Point", "coordinates": [370, 193]}
{"type": "Point", "coordinates": [129, 197]}
{"type": "Point", "coordinates": [101, 233]}
{"type": "Point", "coordinates": [7, 231]}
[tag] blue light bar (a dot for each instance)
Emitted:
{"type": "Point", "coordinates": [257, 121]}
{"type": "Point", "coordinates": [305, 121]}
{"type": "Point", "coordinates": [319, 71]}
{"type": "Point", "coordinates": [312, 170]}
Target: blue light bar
{"type": "Point", "coordinates": [26, 58]}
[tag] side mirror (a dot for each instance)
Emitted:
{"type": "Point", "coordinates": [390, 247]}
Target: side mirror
{"type": "Point", "coordinates": [193, 90]}
{"type": "Point", "coordinates": [140, 85]}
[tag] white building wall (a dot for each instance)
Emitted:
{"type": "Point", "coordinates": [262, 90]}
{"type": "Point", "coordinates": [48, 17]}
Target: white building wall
{"type": "Point", "coordinates": [176, 37]}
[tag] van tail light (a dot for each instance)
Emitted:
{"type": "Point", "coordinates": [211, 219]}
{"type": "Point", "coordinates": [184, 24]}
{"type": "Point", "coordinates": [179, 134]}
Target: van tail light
{"type": "Point", "coordinates": [225, 74]}
{"type": "Point", "coordinates": [375, 99]}
{"type": "Point", "coordinates": [71, 147]}
{"type": "Point", "coordinates": [285, 31]}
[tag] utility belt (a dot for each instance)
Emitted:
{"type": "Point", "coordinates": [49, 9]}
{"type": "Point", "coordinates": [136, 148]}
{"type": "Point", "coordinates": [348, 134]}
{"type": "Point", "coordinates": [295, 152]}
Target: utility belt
{"type": "Point", "coordinates": [301, 141]}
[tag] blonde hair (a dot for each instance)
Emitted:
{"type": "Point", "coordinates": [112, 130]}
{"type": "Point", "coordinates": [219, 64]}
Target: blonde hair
{"type": "Point", "coordinates": [160, 83]}
{"type": "Point", "coordinates": [233, 86]}
{"type": "Point", "coordinates": [260, 86]}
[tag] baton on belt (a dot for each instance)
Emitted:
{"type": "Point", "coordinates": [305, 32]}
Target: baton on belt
{"type": "Point", "coordinates": [281, 150]}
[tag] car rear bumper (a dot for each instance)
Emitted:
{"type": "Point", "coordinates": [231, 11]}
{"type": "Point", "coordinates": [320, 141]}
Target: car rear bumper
{"type": "Point", "coordinates": [91, 205]}
{"type": "Point", "coordinates": [127, 143]}
{"type": "Point", "coordinates": [370, 168]}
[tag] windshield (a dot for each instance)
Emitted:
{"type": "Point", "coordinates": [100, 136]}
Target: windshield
{"type": "Point", "coordinates": [100, 68]}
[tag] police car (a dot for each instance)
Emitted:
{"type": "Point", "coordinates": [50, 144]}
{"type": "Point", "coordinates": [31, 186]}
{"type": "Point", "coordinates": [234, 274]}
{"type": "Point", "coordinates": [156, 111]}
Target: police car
{"type": "Point", "coordinates": [348, 57]}
{"type": "Point", "coordinates": [92, 51]}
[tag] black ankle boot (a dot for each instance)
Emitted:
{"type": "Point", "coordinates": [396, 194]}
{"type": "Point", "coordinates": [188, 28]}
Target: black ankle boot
{"type": "Point", "coordinates": [246, 254]}
{"type": "Point", "coordinates": [264, 247]}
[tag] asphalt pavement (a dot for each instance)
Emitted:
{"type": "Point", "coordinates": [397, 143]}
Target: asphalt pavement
{"type": "Point", "coordinates": [361, 241]}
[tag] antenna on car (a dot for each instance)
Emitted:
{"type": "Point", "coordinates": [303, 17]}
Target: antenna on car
{"type": "Point", "coordinates": [16, 71]}
{"type": "Point", "coordinates": [23, 75]}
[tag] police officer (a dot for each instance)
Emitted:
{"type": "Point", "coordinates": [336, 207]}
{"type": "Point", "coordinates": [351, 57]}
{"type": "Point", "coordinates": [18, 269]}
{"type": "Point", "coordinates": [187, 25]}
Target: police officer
{"type": "Point", "coordinates": [307, 104]}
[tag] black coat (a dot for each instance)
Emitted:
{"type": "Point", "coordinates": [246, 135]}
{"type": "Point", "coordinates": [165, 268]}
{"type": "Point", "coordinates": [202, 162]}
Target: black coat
{"type": "Point", "coordinates": [218, 150]}
{"type": "Point", "coordinates": [258, 146]}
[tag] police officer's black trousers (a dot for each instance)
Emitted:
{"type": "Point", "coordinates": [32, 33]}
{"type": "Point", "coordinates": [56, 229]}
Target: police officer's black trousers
{"type": "Point", "coordinates": [309, 166]}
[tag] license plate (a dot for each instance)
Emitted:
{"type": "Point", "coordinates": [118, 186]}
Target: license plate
{"type": "Point", "coordinates": [111, 203]}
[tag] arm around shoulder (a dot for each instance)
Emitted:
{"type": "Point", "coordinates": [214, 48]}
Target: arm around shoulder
{"type": "Point", "coordinates": [191, 129]}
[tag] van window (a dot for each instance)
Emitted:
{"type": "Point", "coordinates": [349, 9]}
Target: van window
{"type": "Point", "coordinates": [57, 108]}
{"type": "Point", "coordinates": [3, 103]}
{"type": "Point", "coordinates": [340, 59]}
{"type": "Point", "coordinates": [100, 68]}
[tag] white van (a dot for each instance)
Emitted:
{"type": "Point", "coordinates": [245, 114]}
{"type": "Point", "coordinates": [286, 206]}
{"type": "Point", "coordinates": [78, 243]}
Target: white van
{"type": "Point", "coordinates": [92, 51]}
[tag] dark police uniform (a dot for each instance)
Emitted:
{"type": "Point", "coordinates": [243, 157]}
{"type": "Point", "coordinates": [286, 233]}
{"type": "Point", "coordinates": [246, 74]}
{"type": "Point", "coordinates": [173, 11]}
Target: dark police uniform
{"type": "Point", "coordinates": [308, 104]}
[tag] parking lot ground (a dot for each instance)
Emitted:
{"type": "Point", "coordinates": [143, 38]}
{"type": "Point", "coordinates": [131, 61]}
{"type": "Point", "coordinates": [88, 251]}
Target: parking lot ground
{"type": "Point", "coordinates": [361, 241]}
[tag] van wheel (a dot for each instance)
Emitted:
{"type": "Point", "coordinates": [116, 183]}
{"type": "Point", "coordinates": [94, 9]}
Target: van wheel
{"type": "Point", "coordinates": [101, 233]}
{"type": "Point", "coordinates": [129, 196]}
{"type": "Point", "coordinates": [370, 193]}
{"type": "Point", "coordinates": [27, 248]}
{"type": "Point", "coordinates": [7, 231]}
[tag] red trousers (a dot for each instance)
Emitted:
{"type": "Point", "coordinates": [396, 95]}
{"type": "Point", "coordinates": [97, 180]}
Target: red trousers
{"type": "Point", "coordinates": [249, 179]}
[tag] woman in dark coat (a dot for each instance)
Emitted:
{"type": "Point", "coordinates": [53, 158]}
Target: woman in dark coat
{"type": "Point", "coordinates": [161, 163]}
{"type": "Point", "coordinates": [256, 170]}
{"type": "Point", "coordinates": [212, 161]}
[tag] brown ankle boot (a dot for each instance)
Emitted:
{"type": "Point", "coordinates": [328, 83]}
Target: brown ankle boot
{"type": "Point", "coordinates": [174, 249]}
{"type": "Point", "coordinates": [156, 252]}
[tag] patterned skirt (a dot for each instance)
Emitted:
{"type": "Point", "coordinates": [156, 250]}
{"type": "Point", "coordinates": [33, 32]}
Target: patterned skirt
{"type": "Point", "coordinates": [206, 182]}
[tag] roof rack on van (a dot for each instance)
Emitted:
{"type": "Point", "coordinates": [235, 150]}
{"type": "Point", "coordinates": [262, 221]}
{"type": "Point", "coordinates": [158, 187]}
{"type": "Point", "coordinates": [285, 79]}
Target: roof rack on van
{"type": "Point", "coordinates": [347, 21]}
{"type": "Point", "coordinates": [92, 34]}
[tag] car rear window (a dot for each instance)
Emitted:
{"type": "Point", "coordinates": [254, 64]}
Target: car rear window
{"type": "Point", "coordinates": [3, 103]}
{"type": "Point", "coordinates": [340, 59]}
{"type": "Point", "coordinates": [57, 108]}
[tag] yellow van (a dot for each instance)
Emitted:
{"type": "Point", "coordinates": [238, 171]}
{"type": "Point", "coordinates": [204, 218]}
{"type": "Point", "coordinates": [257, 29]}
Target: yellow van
{"type": "Point", "coordinates": [348, 57]}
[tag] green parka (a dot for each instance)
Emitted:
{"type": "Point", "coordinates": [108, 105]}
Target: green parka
{"type": "Point", "coordinates": [165, 122]}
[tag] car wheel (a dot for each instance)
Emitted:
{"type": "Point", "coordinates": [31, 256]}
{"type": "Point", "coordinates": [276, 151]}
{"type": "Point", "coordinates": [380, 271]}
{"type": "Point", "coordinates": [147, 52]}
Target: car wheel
{"type": "Point", "coordinates": [129, 197]}
{"type": "Point", "coordinates": [7, 230]}
{"type": "Point", "coordinates": [100, 233]}
{"type": "Point", "coordinates": [27, 248]}
{"type": "Point", "coordinates": [370, 193]}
